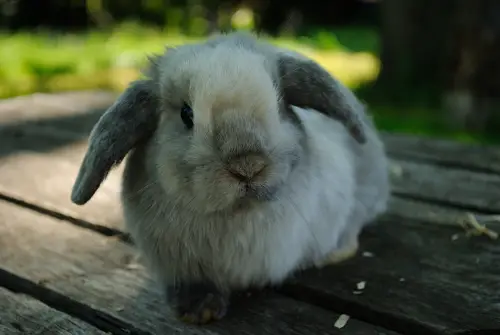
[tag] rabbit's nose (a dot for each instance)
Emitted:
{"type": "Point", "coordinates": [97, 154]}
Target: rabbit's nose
{"type": "Point", "coordinates": [246, 167]}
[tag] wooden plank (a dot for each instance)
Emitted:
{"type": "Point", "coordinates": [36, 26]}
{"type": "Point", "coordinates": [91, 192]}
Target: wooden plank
{"type": "Point", "coordinates": [57, 109]}
{"type": "Point", "coordinates": [51, 125]}
{"type": "Point", "coordinates": [57, 155]}
{"type": "Point", "coordinates": [418, 276]}
{"type": "Point", "coordinates": [428, 213]}
{"type": "Point", "coordinates": [100, 272]}
{"type": "Point", "coordinates": [418, 182]}
{"type": "Point", "coordinates": [446, 153]}
{"type": "Point", "coordinates": [470, 190]}
{"type": "Point", "coordinates": [39, 167]}
{"type": "Point", "coordinates": [21, 314]}
{"type": "Point", "coordinates": [78, 111]}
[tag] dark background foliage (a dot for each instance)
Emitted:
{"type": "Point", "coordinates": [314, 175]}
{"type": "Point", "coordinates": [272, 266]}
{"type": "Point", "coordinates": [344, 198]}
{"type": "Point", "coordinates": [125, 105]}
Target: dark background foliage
{"type": "Point", "coordinates": [434, 66]}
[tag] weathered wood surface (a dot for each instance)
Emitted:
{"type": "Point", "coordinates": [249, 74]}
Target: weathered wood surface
{"type": "Point", "coordinates": [25, 148]}
{"type": "Point", "coordinates": [28, 173]}
{"type": "Point", "coordinates": [78, 111]}
{"type": "Point", "coordinates": [21, 314]}
{"type": "Point", "coordinates": [446, 153]}
{"type": "Point", "coordinates": [65, 108]}
{"type": "Point", "coordinates": [418, 276]}
{"type": "Point", "coordinates": [473, 190]}
{"type": "Point", "coordinates": [27, 137]}
{"type": "Point", "coordinates": [101, 272]}
{"type": "Point", "coordinates": [422, 275]}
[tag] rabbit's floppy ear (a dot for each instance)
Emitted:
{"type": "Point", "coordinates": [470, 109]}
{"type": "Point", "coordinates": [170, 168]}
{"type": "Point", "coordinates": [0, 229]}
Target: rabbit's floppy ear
{"type": "Point", "coordinates": [131, 118]}
{"type": "Point", "coordinates": [305, 84]}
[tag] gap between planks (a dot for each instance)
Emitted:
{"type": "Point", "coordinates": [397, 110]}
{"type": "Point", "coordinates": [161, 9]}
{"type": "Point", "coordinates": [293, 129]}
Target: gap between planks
{"type": "Point", "coordinates": [55, 143]}
{"type": "Point", "coordinates": [21, 184]}
{"type": "Point", "coordinates": [416, 277]}
{"type": "Point", "coordinates": [399, 209]}
{"type": "Point", "coordinates": [415, 193]}
{"type": "Point", "coordinates": [21, 314]}
{"type": "Point", "coordinates": [443, 152]}
{"type": "Point", "coordinates": [65, 305]}
{"type": "Point", "coordinates": [71, 268]}
{"type": "Point", "coordinates": [336, 302]}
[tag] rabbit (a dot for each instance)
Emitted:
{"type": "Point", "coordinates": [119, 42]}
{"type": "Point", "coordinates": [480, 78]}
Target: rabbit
{"type": "Point", "coordinates": [247, 162]}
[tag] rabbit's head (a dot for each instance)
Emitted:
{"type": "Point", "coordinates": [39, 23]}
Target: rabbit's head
{"type": "Point", "coordinates": [224, 131]}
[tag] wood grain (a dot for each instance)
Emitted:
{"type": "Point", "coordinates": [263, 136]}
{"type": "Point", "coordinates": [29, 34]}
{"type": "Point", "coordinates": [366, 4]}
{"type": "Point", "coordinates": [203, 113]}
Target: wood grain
{"type": "Point", "coordinates": [418, 277]}
{"type": "Point", "coordinates": [101, 272]}
{"type": "Point", "coordinates": [451, 187]}
{"type": "Point", "coordinates": [50, 131]}
{"type": "Point", "coordinates": [62, 110]}
{"type": "Point", "coordinates": [445, 153]}
{"type": "Point", "coordinates": [429, 213]}
{"type": "Point", "coordinates": [427, 278]}
{"type": "Point", "coordinates": [38, 167]}
{"type": "Point", "coordinates": [21, 314]}
{"type": "Point", "coordinates": [78, 111]}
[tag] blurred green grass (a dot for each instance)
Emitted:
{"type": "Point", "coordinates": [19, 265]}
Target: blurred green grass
{"type": "Point", "coordinates": [48, 62]}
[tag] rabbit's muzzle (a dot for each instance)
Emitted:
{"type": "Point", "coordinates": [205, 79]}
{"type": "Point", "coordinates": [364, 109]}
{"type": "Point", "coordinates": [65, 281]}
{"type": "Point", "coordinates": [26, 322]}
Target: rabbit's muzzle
{"type": "Point", "coordinates": [251, 171]}
{"type": "Point", "coordinates": [246, 168]}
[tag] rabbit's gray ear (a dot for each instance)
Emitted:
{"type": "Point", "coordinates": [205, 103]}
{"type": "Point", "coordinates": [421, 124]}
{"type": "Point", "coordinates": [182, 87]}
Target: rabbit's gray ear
{"type": "Point", "coordinates": [305, 84]}
{"type": "Point", "coordinates": [131, 118]}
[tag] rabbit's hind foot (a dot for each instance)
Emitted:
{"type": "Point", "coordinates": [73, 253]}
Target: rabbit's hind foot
{"type": "Point", "coordinates": [199, 303]}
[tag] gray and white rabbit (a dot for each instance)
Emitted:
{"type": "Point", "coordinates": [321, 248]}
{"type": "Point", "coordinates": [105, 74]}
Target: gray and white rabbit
{"type": "Point", "coordinates": [247, 163]}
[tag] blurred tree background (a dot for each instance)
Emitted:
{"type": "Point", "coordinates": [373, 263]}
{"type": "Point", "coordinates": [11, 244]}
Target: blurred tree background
{"type": "Point", "coordinates": [423, 66]}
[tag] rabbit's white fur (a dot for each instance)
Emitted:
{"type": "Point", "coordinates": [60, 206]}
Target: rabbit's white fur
{"type": "Point", "coordinates": [190, 217]}
{"type": "Point", "coordinates": [189, 232]}
{"type": "Point", "coordinates": [250, 247]}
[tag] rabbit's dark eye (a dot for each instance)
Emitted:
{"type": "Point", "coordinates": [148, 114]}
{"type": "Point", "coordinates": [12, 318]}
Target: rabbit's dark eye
{"type": "Point", "coordinates": [187, 115]}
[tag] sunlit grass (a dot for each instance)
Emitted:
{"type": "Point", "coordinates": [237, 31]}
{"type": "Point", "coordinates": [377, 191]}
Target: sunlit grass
{"type": "Point", "coordinates": [44, 62]}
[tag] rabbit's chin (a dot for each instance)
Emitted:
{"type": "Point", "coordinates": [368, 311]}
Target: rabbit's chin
{"type": "Point", "coordinates": [214, 191]}
{"type": "Point", "coordinates": [229, 195]}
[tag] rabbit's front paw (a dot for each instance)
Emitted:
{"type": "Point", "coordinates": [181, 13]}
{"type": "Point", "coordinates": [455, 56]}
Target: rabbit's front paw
{"type": "Point", "coordinates": [340, 255]}
{"type": "Point", "coordinates": [200, 303]}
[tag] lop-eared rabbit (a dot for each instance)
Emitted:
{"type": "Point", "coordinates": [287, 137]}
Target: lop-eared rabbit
{"type": "Point", "coordinates": [247, 162]}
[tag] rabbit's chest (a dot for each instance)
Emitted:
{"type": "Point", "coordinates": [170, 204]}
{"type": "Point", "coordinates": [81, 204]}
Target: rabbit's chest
{"type": "Point", "coordinates": [266, 250]}
{"type": "Point", "coordinates": [269, 246]}
{"type": "Point", "coordinates": [256, 249]}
